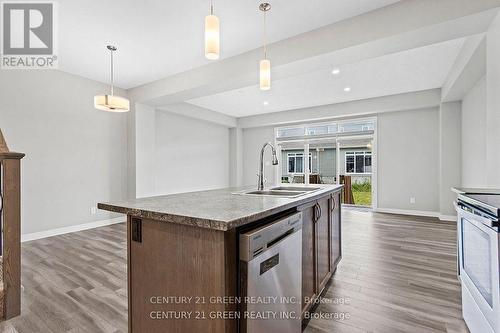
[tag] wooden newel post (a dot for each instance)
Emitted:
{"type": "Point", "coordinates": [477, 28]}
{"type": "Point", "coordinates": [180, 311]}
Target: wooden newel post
{"type": "Point", "coordinates": [10, 181]}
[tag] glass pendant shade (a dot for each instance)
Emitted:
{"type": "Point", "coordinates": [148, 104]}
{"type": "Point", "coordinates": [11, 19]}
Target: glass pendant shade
{"type": "Point", "coordinates": [111, 103]}
{"type": "Point", "coordinates": [265, 74]}
{"type": "Point", "coordinates": [212, 37]}
{"type": "Point", "coordinates": [265, 64]}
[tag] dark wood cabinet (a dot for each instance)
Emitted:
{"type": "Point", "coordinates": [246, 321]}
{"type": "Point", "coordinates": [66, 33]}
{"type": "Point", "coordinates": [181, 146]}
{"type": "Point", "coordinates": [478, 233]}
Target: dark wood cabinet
{"type": "Point", "coordinates": [308, 254]}
{"type": "Point", "coordinates": [321, 247]}
{"type": "Point", "coordinates": [336, 230]}
{"type": "Point", "coordinates": [323, 239]}
{"type": "Point", "coordinates": [174, 260]}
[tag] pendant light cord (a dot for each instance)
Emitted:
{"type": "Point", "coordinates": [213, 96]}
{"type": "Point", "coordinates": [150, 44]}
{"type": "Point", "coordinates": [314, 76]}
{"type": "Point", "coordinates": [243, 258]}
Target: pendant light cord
{"type": "Point", "coordinates": [112, 74]}
{"type": "Point", "coordinates": [211, 7]}
{"type": "Point", "coordinates": [265, 36]}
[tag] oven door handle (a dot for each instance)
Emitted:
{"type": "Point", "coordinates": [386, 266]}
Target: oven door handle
{"type": "Point", "coordinates": [484, 220]}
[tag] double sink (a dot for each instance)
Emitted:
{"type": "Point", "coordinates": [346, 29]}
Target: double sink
{"type": "Point", "coordinates": [283, 191]}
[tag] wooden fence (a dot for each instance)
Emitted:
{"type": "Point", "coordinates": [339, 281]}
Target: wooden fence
{"type": "Point", "coordinates": [348, 197]}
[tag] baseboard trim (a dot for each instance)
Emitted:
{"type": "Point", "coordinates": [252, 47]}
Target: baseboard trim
{"type": "Point", "coordinates": [447, 217]}
{"type": "Point", "coordinates": [70, 229]}
{"type": "Point", "coordinates": [424, 213]}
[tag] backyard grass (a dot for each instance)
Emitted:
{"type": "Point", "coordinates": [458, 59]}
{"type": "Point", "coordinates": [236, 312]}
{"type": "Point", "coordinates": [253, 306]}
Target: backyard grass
{"type": "Point", "coordinates": [362, 193]}
{"type": "Point", "coordinates": [362, 198]}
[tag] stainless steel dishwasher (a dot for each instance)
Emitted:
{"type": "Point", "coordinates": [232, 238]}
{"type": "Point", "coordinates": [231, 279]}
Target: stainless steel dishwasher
{"type": "Point", "coordinates": [271, 277]}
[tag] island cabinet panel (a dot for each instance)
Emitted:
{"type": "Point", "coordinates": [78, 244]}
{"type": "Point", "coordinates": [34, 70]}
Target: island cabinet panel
{"type": "Point", "coordinates": [320, 245]}
{"type": "Point", "coordinates": [336, 230]}
{"type": "Point", "coordinates": [308, 254]}
{"type": "Point", "coordinates": [323, 246]}
{"type": "Point", "coordinates": [175, 271]}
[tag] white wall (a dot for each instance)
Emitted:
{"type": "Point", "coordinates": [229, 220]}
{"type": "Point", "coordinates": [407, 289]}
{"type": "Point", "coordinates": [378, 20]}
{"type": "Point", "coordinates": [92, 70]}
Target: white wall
{"type": "Point", "coordinates": [450, 155]}
{"type": "Point", "coordinates": [474, 136]}
{"type": "Point", "coordinates": [235, 157]}
{"type": "Point", "coordinates": [253, 139]}
{"type": "Point", "coordinates": [493, 104]}
{"type": "Point", "coordinates": [145, 151]}
{"type": "Point", "coordinates": [190, 154]}
{"type": "Point", "coordinates": [408, 160]}
{"type": "Point", "coordinates": [76, 155]}
{"type": "Point", "coordinates": [131, 152]}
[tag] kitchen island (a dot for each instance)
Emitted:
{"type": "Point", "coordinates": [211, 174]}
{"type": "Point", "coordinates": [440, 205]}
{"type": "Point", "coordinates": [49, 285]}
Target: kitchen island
{"type": "Point", "coordinates": [183, 259]}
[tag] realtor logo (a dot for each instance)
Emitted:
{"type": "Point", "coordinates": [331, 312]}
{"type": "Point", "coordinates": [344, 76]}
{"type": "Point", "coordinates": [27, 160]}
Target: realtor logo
{"type": "Point", "coordinates": [28, 35]}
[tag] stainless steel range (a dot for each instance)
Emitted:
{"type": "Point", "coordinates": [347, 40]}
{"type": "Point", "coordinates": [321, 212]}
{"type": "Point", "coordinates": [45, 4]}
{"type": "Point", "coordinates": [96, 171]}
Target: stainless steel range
{"type": "Point", "coordinates": [478, 260]}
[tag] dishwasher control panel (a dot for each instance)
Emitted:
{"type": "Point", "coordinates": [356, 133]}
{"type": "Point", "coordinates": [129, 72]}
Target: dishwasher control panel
{"type": "Point", "coordinates": [255, 242]}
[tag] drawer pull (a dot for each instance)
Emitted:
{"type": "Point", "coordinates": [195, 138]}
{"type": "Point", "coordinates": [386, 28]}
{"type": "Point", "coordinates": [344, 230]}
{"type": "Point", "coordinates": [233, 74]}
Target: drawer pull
{"type": "Point", "coordinates": [334, 203]}
{"type": "Point", "coordinates": [137, 230]}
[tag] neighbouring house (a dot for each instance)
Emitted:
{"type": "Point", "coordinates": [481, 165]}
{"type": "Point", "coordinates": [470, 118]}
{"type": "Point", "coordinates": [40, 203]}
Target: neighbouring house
{"type": "Point", "coordinates": [355, 162]}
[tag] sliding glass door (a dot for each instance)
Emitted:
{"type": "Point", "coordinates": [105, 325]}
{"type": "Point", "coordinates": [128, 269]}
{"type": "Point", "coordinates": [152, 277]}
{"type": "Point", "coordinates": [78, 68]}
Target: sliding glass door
{"type": "Point", "coordinates": [356, 170]}
{"type": "Point", "coordinates": [324, 162]}
{"type": "Point", "coordinates": [331, 153]}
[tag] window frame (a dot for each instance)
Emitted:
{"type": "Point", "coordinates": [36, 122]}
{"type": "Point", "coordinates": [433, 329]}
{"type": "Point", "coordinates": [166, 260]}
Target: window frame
{"type": "Point", "coordinates": [288, 155]}
{"type": "Point", "coordinates": [354, 154]}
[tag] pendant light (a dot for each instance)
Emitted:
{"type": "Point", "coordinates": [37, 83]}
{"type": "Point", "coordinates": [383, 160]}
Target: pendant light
{"type": "Point", "coordinates": [265, 64]}
{"type": "Point", "coordinates": [111, 103]}
{"type": "Point", "coordinates": [212, 35]}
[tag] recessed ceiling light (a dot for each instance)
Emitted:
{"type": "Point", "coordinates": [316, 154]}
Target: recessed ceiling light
{"type": "Point", "coordinates": [336, 71]}
{"type": "Point", "coordinates": [347, 89]}
{"type": "Point", "coordinates": [265, 103]}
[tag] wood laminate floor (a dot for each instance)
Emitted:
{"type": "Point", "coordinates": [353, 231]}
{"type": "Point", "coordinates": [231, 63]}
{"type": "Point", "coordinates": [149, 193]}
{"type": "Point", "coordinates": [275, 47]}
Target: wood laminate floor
{"type": "Point", "coordinates": [397, 275]}
{"type": "Point", "coordinates": [74, 283]}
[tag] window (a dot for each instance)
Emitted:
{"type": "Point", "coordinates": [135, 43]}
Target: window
{"type": "Point", "coordinates": [356, 126]}
{"type": "Point", "coordinates": [290, 132]}
{"type": "Point", "coordinates": [296, 162]}
{"type": "Point", "coordinates": [358, 162]}
{"type": "Point", "coordinates": [325, 129]}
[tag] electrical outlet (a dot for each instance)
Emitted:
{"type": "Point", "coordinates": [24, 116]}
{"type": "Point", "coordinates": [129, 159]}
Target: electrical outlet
{"type": "Point", "coordinates": [93, 210]}
{"type": "Point", "coordinates": [412, 200]}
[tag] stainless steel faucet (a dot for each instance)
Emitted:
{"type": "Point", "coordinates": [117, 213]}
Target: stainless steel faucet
{"type": "Point", "coordinates": [261, 172]}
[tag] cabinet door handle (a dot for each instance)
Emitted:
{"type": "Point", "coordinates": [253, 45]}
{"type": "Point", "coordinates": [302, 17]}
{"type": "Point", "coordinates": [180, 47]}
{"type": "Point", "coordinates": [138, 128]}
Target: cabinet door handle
{"type": "Point", "coordinates": [320, 211]}
{"type": "Point", "coordinates": [136, 230]}
{"type": "Point", "coordinates": [316, 213]}
{"type": "Point", "coordinates": [334, 203]}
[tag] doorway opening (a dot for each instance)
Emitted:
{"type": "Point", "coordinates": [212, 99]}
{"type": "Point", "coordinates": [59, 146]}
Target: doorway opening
{"type": "Point", "coordinates": [342, 152]}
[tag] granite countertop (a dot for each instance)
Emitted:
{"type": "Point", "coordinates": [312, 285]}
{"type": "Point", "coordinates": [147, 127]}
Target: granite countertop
{"type": "Point", "coordinates": [464, 190]}
{"type": "Point", "coordinates": [216, 209]}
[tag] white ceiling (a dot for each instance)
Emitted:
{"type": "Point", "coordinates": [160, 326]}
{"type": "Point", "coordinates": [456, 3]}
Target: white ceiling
{"type": "Point", "coordinates": [157, 38]}
{"type": "Point", "coordinates": [414, 70]}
